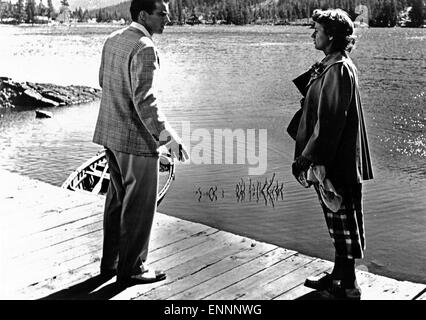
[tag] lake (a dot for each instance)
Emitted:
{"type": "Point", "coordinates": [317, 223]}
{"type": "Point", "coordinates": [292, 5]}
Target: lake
{"type": "Point", "coordinates": [239, 78]}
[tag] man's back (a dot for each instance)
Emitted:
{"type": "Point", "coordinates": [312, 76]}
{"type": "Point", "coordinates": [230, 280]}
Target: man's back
{"type": "Point", "coordinates": [128, 115]}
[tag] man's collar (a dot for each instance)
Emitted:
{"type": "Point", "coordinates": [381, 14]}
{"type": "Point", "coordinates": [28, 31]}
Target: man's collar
{"type": "Point", "coordinates": [141, 28]}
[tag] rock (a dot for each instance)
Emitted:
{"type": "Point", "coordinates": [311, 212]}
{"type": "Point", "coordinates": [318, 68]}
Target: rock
{"type": "Point", "coordinates": [39, 95]}
{"type": "Point", "coordinates": [43, 114]}
{"type": "Point", "coordinates": [48, 94]}
{"type": "Point", "coordinates": [31, 98]}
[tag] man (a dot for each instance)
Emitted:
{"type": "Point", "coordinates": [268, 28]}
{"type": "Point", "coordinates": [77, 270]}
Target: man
{"type": "Point", "coordinates": [132, 128]}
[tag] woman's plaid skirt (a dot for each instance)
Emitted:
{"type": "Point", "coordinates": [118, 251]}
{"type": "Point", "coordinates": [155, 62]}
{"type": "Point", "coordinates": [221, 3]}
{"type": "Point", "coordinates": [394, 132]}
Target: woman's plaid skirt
{"type": "Point", "coordinates": [346, 226]}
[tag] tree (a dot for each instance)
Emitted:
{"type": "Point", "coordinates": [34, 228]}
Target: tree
{"type": "Point", "coordinates": [50, 12]}
{"type": "Point", "coordinates": [40, 9]}
{"type": "Point", "coordinates": [4, 11]}
{"type": "Point", "coordinates": [65, 3]}
{"type": "Point", "coordinates": [86, 15]}
{"type": "Point", "coordinates": [381, 12]}
{"type": "Point", "coordinates": [79, 14]}
{"type": "Point", "coordinates": [30, 10]}
{"type": "Point", "coordinates": [416, 13]}
{"type": "Point", "coordinates": [385, 14]}
{"type": "Point", "coordinates": [20, 12]}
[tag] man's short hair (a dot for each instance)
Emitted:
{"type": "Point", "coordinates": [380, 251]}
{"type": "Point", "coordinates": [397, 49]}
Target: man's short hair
{"type": "Point", "coordinates": [336, 23]}
{"type": "Point", "coordinates": [136, 6]}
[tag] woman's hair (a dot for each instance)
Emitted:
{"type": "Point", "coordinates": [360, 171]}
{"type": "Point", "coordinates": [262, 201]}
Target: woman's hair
{"type": "Point", "coordinates": [337, 24]}
{"type": "Point", "coordinates": [136, 6]}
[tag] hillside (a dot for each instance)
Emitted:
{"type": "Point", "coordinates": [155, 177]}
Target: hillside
{"type": "Point", "coordinates": [92, 4]}
{"type": "Point", "coordinates": [382, 13]}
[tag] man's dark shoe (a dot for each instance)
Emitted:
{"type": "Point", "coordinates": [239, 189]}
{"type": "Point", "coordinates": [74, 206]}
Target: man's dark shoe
{"type": "Point", "coordinates": [341, 292]}
{"type": "Point", "coordinates": [319, 283]}
{"type": "Point", "coordinates": [142, 278]}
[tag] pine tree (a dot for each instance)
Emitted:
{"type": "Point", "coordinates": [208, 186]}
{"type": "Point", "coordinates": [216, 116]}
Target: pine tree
{"type": "Point", "coordinates": [30, 10]}
{"type": "Point", "coordinates": [50, 12]}
{"type": "Point", "coordinates": [80, 15]}
{"type": "Point", "coordinates": [40, 9]}
{"type": "Point", "coordinates": [20, 12]}
{"type": "Point", "coordinates": [381, 12]}
{"type": "Point", "coordinates": [416, 14]}
{"type": "Point", "coordinates": [86, 15]}
{"type": "Point", "coordinates": [179, 8]}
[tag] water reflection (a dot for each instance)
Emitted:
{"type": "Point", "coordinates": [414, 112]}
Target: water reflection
{"type": "Point", "coordinates": [270, 191]}
{"type": "Point", "coordinates": [266, 192]}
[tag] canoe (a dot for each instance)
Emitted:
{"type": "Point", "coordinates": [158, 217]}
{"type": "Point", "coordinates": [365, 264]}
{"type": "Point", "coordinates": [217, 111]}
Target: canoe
{"type": "Point", "coordinates": [93, 176]}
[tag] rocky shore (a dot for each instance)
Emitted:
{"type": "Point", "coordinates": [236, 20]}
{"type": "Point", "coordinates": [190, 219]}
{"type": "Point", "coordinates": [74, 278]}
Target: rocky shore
{"type": "Point", "coordinates": [39, 95]}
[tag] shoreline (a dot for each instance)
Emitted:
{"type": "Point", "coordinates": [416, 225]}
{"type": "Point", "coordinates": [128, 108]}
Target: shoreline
{"type": "Point", "coordinates": [31, 95]}
{"type": "Point", "coordinates": [201, 25]}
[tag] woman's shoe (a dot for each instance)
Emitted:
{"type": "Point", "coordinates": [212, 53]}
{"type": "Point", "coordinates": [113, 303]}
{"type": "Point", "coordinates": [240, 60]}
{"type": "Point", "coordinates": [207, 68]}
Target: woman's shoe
{"type": "Point", "coordinates": [319, 283]}
{"type": "Point", "coordinates": [338, 291]}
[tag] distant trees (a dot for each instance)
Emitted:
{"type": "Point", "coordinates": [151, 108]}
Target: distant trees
{"type": "Point", "coordinates": [81, 15]}
{"type": "Point", "coordinates": [19, 14]}
{"type": "Point", "coordinates": [382, 13]}
{"type": "Point", "coordinates": [41, 9]}
{"type": "Point", "coordinates": [252, 11]}
{"type": "Point", "coordinates": [30, 10]}
{"type": "Point", "coordinates": [385, 14]}
{"type": "Point", "coordinates": [116, 12]}
{"type": "Point", "coordinates": [50, 11]}
{"type": "Point", "coordinates": [416, 13]}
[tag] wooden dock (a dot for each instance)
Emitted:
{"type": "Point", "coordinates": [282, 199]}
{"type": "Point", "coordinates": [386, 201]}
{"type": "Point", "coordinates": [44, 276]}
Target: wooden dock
{"type": "Point", "coordinates": [51, 241]}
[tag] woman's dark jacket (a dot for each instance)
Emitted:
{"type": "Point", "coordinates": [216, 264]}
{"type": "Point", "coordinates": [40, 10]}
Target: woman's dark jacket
{"type": "Point", "coordinates": [331, 130]}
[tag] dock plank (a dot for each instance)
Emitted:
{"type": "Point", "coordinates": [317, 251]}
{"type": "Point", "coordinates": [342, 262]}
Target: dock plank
{"type": "Point", "coordinates": [256, 281]}
{"type": "Point", "coordinates": [175, 231]}
{"type": "Point", "coordinates": [38, 198]}
{"type": "Point", "coordinates": [291, 280]}
{"type": "Point", "coordinates": [383, 288]}
{"type": "Point", "coordinates": [29, 226]}
{"type": "Point", "coordinates": [422, 296]}
{"type": "Point", "coordinates": [296, 293]}
{"type": "Point", "coordinates": [58, 254]}
{"type": "Point", "coordinates": [300, 291]}
{"type": "Point", "coordinates": [14, 282]}
{"type": "Point", "coordinates": [188, 265]}
{"type": "Point", "coordinates": [220, 261]}
{"type": "Point", "coordinates": [54, 237]}
{"type": "Point", "coordinates": [74, 259]}
{"type": "Point", "coordinates": [51, 243]}
{"type": "Point", "coordinates": [185, 244]}
{"type": "Point", "coordinates": [66, 235]}
{"type": "Point", "coordinates": [234, 275]}
{"type": "Point", "coordinates": [85, 272]}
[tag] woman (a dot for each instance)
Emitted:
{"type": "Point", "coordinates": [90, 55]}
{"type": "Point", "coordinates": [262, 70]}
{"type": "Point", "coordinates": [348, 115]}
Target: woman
{"type": "Point", "coordinates": [331, 140]}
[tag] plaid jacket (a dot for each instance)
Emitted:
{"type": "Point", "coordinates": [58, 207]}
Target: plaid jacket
{"type": "Point", "coordinates": [129, 119]}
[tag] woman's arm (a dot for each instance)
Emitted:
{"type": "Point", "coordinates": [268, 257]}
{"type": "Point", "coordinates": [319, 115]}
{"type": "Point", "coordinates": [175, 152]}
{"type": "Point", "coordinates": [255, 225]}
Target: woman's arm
{"type": "Point", "coordinates": [333, 103]}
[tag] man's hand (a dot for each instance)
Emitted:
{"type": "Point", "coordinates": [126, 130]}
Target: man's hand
{"type": "Point", "coordinates": [177, 150]}
{"type": "Point", "coordinates": [175, 146]}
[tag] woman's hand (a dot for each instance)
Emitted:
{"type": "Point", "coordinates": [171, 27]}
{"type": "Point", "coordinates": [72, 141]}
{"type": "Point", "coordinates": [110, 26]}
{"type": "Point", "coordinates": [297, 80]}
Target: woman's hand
{"type": "Point", "coordinates": [299, 165]}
